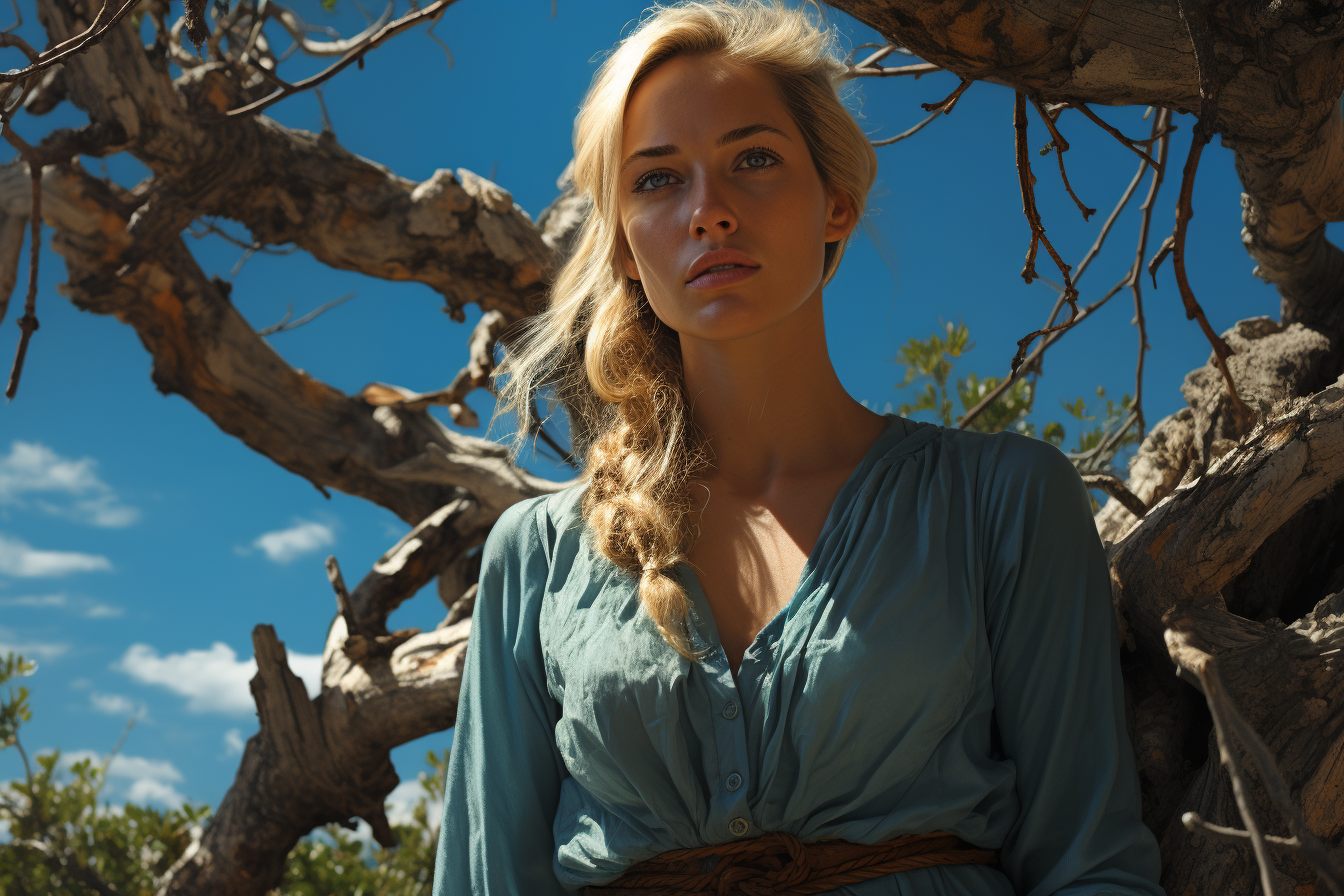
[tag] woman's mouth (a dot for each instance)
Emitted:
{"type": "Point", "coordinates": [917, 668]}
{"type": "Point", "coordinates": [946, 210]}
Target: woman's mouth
{"type": "Point", "coordinates": [722, 275]}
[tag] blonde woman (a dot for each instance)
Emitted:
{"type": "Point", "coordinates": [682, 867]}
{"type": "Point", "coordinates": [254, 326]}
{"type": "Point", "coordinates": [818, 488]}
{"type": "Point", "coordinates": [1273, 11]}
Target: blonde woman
{"type": "Point", "coordinates": [771, 642]}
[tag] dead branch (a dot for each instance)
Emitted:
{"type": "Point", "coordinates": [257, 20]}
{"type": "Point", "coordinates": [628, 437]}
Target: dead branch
{"type": "Point", "coordinates": [354, 54]}
{"type": "Point", "coordinates": [1117, 489]}
{"type": "Point", "coordinates": [1161, 132]}
{"type": "Point", "coordinates": [480, 351]}
{"type": "Point", "coordinates": [877, 71]}
{"type": "Point", "coordinates": [1027, 180]}
{"type": "Point", "coordinates": [1193, 311]}
{"type": "Point", "coordinates": [1061, 146]}
{"type": "Point", "coordinates": [1131, 145]}
{"type": "Point", "coordinates": [1032, 360]}
{"type": "Point", "coordinates": [1193, 822]}
{"type": "Point", "coordinates": [102, 23]}
{"type": "Point", "coordinates": [324, 760]}
{"type": "Point", "coordinates": [1194, 657]}
{"type": "Point", "coordinates": [910, 132]}
{"type": "Point", "coordinates": [206, 351]}
{"type": "Point", "coordinates": [945, 105]}
{"type": "Point", "coordinates": [285, 323]}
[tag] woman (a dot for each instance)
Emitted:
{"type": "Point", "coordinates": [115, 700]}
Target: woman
{"type": "Point", "coordinates": [771, 641]}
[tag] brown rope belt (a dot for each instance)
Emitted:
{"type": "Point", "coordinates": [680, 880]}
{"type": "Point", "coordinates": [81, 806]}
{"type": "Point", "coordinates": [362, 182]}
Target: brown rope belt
{"type": "Point", "coordinates": [780, 864]}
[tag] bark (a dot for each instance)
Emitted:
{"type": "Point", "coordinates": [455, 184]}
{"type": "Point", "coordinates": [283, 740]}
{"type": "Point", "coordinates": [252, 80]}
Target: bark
{"type": "Point", "coordinates": [326, 760]}
{"type": "Point", "coordinates": [1239, 550]}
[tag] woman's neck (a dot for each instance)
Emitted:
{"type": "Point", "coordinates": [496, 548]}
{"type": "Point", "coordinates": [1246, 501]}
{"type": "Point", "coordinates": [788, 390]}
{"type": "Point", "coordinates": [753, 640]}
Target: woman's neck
{"type": "Point", "coordinates": [772, 405]}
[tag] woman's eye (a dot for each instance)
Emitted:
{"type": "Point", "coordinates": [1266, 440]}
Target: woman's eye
{"type": "Point", "coordinates": [651, 180]}
{"type": "Point", "coordinates": [759, 159]}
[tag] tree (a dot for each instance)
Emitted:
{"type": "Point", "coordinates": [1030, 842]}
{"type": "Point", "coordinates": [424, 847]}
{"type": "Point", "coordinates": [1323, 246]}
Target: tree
{"type": "Point", "coordinates": [1223, 543]}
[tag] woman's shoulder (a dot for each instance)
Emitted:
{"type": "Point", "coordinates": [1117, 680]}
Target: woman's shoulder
{"type": "Point", "coordinates": [544, 524]}
{"type": "Point", "coordinates": [1004, 453]}
{"type": "Point", "coordinates": [1002, 466]}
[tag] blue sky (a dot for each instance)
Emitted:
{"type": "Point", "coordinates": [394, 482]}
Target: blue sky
{"type": "Point", "coordinates": [139, 544]}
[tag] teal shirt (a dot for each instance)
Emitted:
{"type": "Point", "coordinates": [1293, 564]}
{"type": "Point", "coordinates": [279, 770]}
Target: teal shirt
{"type": "Point", "coordinates": [949, 661]}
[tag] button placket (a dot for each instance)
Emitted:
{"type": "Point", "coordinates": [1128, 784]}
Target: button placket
{"type": "Point", "coordinates": [730, 813]}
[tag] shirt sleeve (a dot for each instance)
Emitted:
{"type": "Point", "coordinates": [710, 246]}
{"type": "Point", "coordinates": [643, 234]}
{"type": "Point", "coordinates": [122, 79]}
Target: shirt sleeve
{"type": "Point", "coordinates": [504, 772]}
{"type": "Point", "coordinates": [1059, 697]}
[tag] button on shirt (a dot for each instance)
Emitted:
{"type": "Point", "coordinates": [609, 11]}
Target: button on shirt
{"type": "Point", "coordinates": [958, 585]}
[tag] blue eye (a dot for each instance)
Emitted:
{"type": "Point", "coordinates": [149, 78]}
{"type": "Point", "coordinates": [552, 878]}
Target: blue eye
{"type": "Point", "coordinates": [758, 158]}
{"type": "Point", "coordinates": [648, 177]}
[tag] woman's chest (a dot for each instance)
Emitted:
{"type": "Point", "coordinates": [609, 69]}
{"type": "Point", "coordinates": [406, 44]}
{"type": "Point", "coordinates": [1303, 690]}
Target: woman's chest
{"type": "Point", "coordinates": [867, 668]}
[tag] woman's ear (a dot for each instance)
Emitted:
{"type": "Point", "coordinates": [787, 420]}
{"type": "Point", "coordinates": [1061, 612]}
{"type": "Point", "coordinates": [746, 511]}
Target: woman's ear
{"type": "Point", "coordinates": [840, 216]}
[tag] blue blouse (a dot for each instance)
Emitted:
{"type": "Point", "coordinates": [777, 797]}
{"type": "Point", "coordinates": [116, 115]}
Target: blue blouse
{"type": "Point", "coordinates": [949, 661]}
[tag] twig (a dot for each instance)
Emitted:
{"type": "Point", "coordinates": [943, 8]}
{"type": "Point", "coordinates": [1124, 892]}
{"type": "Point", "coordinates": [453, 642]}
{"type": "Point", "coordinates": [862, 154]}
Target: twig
{"type": "Point", "coordinates": [74, 45]}
{"type": "Point", "coordinates": [1038, 238]}
{"type": "Point", "coordinates": [285, 324]}
{"type": "Point", "coordinates": [1193, 656]}
{"type": "Point", "coordinates": [945, 105]}
{"type": "Point", "coordinates": [1203, 666]}
{"type": "Point", "coordinates": [343, 601]}
{"type": "Point", "coordinates": [1197, 825]}
{"type": "Point", "coordinates": [1136, 275]}
{"type": "Point", "coordinates": [1162, 252]}
{"type": "Point", "coordinates": [28, 322]}
{"type": "Point", "coordinates": [1129, 144]}
{"type": "Point", "coordinates": [877, 71]}
{"type": "Point", "coordinates": [909, 133]}
{"type": "Point", "coordinates": [1116, 488]}
{"type": "Point", "coordinates": [1061, 146]}
{"type": "Point", "coordinates": [1193, 311]}
{"type": "Point", "coordinates": [355, 54]}
{"type": "Point", "coordinates": [1034, 358]}
{"type": "Point", "coordinates": [1312, 848]}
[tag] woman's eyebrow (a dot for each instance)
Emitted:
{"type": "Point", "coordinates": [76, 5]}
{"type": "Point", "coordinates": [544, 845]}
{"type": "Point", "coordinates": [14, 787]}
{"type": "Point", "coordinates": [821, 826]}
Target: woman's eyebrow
{"type": "Point", "coordinates": [732, 136]}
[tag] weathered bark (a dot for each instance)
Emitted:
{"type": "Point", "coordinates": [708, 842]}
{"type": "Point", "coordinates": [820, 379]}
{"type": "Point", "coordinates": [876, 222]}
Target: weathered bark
{"type": "Point", "coordinates": [325, 760]}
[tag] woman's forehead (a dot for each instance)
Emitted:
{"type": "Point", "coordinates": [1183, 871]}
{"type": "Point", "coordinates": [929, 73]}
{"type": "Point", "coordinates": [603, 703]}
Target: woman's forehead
{"type": "Point", "coordinates": [700, 97]}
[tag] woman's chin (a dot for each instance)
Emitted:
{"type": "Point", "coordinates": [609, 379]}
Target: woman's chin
{"type": "Point", "coordinates": [727, 317]}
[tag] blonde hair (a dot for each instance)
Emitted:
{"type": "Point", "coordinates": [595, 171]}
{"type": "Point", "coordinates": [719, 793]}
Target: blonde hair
{"type": "Point", "coordinates": [614, 365]}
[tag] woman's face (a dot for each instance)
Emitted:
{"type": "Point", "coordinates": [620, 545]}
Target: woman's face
{"type": "Point", "coordinates": [712, 160]}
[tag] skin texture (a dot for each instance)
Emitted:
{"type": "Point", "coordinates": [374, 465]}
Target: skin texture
{"type": "Point", "coordinates": [784, 432]}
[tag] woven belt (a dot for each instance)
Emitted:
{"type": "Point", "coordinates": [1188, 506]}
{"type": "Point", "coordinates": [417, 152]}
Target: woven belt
{"type": "Point", "coordinates": [780, 864]}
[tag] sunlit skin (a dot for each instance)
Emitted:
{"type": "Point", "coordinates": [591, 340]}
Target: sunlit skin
{"type": "Point", "coordinates": [784, 432]}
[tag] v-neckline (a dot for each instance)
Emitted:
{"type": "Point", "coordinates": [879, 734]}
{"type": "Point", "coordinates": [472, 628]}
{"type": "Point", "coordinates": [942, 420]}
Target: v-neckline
{"type": "Point", "coordinates": [843, 498]}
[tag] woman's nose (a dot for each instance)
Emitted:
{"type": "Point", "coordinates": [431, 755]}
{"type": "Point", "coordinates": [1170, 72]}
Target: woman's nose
{"type": "Point", "coordinates": [712, 213]}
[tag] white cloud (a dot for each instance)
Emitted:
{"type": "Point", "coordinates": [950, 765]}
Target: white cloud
{"type": "Point", "coordinates": [147, 791]}
{"type": "Point", "coordinates": [32, 468]}
{"type": "Point", "coordinates": [213, 680]}
{"type": "Point", "coordinates": [401, 801]}
{"type": "Point", "coordinates": [304, 537]}
{"type": "Point", "coordinates": [117, 705]}
{"type": "Point", "coordinates": [233, 742]}
{"type": "Point", "coordinates": [150, 780]}
{"type": "Point", "coordinates": [17, 558]}
{"type": "Point", "coordinates": [89, 609]}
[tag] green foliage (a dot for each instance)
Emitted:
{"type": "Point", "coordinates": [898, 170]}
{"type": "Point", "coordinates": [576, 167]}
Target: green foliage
{"type": "Point", "coordinates": [929, 364]}
{"type": "Point", "coordinates": [62, 842]}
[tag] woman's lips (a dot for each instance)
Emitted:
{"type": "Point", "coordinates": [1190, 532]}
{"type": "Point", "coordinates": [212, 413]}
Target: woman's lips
{"type": "Point", "coordinates": [716, 279]}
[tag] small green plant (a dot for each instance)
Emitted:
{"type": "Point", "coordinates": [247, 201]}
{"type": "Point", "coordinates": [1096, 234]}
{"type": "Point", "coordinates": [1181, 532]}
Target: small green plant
{"type": "Point", "coordinates": [929, 363]}
{"type": "Point", "coordinates": [59, 840]}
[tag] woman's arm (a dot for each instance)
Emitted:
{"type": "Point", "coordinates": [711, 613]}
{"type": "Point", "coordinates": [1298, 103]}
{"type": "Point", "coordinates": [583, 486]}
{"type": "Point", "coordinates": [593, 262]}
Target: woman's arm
{"type": "Point", "coordinates": [1059, 698]}
{"type": "Point", "coordinates": [504, 772]}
